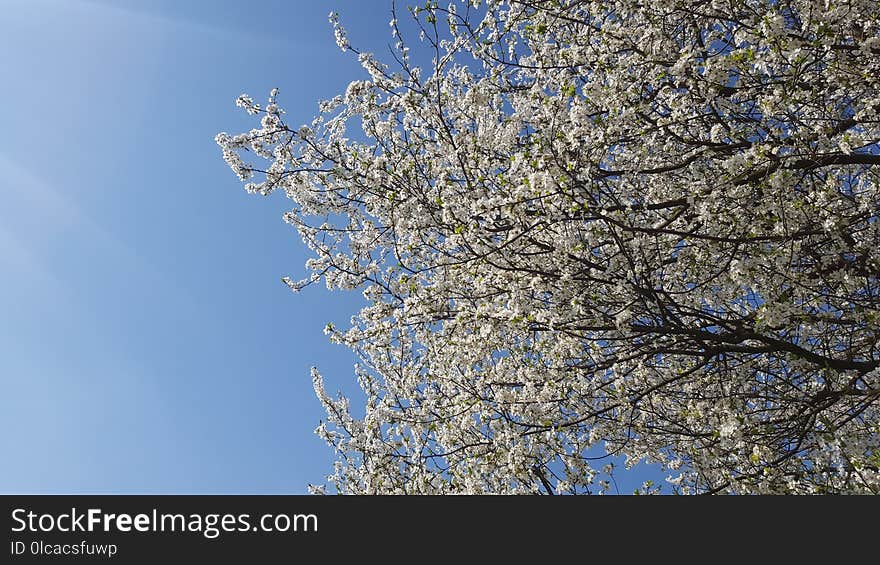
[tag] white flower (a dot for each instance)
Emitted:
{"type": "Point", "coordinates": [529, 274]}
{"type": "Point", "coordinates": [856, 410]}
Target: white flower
{"type": "Point", "coordinates": [728, 428]}
{"type": "Point", "coordinates": [339, 32]}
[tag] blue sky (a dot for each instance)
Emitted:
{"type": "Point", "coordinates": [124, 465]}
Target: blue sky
{"type": "Point", "coordinates": [146, 341]}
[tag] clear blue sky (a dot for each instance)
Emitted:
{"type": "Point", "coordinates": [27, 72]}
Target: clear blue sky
{"type": "Point", "coordinates": [146, 341]}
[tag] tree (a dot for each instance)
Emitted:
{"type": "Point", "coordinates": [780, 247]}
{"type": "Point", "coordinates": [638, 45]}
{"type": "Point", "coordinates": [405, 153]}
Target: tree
{"type": "Point", "coordinates": [594, 228]}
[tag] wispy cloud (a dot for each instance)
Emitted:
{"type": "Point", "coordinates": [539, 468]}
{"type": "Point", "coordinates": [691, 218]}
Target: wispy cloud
{"type": "Point", "coordinates": [38, 219]}
{"type": "Point", "coordinates": [169, 20]}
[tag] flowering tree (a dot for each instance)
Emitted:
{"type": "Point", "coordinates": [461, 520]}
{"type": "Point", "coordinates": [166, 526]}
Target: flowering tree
{"type": "Point", "coordinates": [600, 227]}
